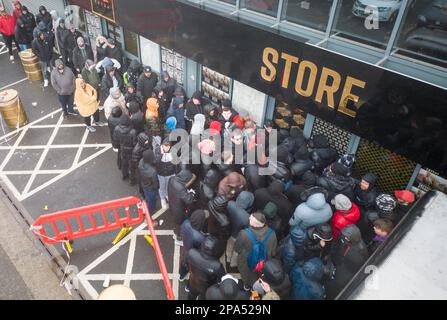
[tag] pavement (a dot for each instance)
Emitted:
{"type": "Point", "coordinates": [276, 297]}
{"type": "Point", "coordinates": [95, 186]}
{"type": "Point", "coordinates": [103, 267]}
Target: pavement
{"type": "Point", "coordinates": [53, 164]}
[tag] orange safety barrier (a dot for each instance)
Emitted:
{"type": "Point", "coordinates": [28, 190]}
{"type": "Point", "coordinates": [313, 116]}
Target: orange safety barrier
{"type": "Point", "coordinates": [88, 211]}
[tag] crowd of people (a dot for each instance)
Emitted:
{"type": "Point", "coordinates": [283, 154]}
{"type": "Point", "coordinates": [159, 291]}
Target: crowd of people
{"type": "Point", "coordinates": [301, 233]}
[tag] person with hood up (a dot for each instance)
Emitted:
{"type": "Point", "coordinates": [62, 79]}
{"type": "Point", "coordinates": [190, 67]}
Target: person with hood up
{"type": "Point", "coordinates": [137, 117]}
{"type": "Point", "coordinates": [17, 12]}
{"type": "Point", "coordinates": [302, 163]}
{"type": "Point", "coordinates": [318, 242]}
{"type": "Point", "coordinates": [133, 73]}
{"type": "Point", "coordinates": [307, 280]}
{"type": "Point", "coordinates": [238, 214]}
{"type": "Point", "coordinates": [177, 110]}
{"type": "Point", "coordinates": [227, 289]}
{"type": "Point", "coordinates": [208, 186]}
{"type": "Point", "coordinates": [232, 185]}
{"type": "Point", "coordinates": [70, 42]}
{"type": "Point", "coordinates": [312, 212]}
{"type": "Point", "coordinates": [61, 34]}
{"type": "Point", "coordinates": [384, 209]}
{"type": "Point", "coordinates": [63, 81]}
{"type": "Point", "coordinates": [113, 121]}
{"type": "Point", "coordinates": [336, 180]}
{"type": "Point", "coordinates": [43, 49]}
{"type": "Point", "coordinates": [41, 27]}
{"type": "Point", "coordinates": [148, 179]}
{"type": "Point", "coordinates": [346, 213]}
{"type": "Point", "coordinates": [146, 83]}
{"type": "Point", "coordinates": [307, 181]}
{"type": "Point", "coordinates": [152, 116]}
{"type": "Point", "coordinates": [114, 99]}
{"type": "Point", "coordinates": [110, 79]}
{"type": "Point", "coordinates": [45, 17]}
{"type": "Point", "coordinates": [81, 54]}
{"type": "Point", "coordinates": [168, 85]}
{"type": "Point", "coordinates": [244, 245]}
{"type": "Point", "coordinates": [90, 75]}
{"type": "Point", "coordinates": [193, 107]}
{"type": "Point", "coordinates": [274, 193]}
{"type": "Point", "coordinates": [281, 167]}
{"type": "Point", "coordinates": [101, 48]}
{"type": "Point", "coordinates": [7, 28]}
{"type": "Point", "coordinates": [204, 267]}
{"type": "Point", "coordinates": [193, 235]}
{"type": "Point", "coordinates": [24, 29]}
{"type": "Point", "coordinates": [163, 104]}
{"type": "Point", "coordinates": [87, 102]}
{"type": "Point", "coordinates": [165, 169]}
{"type": "Point", "coordinates": [274, 222]}
{"type": "Point", "coordinates": [198, 125]}
{"type": "Point", "coordinates": [349, 253]}
{"type": "Point", "coordinates": [114, 52]}
{"type": "Point", "coordinates": [211, 115]}
{"type": "Point", "coordinates": [292, 247]}
{"type": "Point", "coordinates": [132, 95]}
{"type": "Point", "coordinates": [126, 135]}
{"type": "Point", "coordinates": [273, 274]}
{"type": "Point", "coordinates": [365, 192]}
{"type": "Point", "coordinates": [322, 154]}
{"type": "Point", "coordinates": [218, 222]}
{"type": "Point", "coordinates": [143, 143]}
{"type": "Point", "coordinates": [255, 181]}
{"type": "Point", "coordinates": [180, 198]}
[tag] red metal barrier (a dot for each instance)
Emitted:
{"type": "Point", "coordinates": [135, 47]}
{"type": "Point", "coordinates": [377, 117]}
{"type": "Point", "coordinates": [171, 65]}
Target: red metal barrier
{"type": "Point", "coordinates": [51, 219]}
{"type": "Point", "coordinates": [159, 255]}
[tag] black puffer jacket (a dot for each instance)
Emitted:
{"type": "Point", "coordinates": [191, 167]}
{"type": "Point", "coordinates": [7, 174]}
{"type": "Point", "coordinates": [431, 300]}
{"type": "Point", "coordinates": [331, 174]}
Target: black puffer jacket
{"type": "Point", "coordinates": [147, 172]}
{"type": "Point", "coordinates": [179, 197]}
{"type": "Point", "coordinates": [133, 72]}
{"type": "Point", "coordinates": [164, 168]}
{"type": "Point", "coordinates": [302, 163]}
{"type": "Point", "coordinates": [218, 221]}
{"type": "Point", "coordinates": [335, 181]}
{"type": "Point", "coordinates": [204, 266]}
{"type": "Point", "coordinates": [45, 18]}
{"type": "Point", "coordinates": [126, 136]}
{"type": "Point", "coordinates": [133, 97]}
{"type": "Point", "coordinates": [138, 121]}
{"type": "Point", "coordinates": [254, 180]}
{"type": "Point", "coordinates": [168, 86]}
{"type": "Point", "coordinates": [294, 141]}
{"type": "Point", "coordinates": [307, 181]}
{"type": "Point", "coordinates": [274, 193]}
{"type": "Point", "coordinates": [42, 49]}
{"type": "Point", "coordinates": [113, 122]}
{"type": "Point", "coordinates": [274, 275]}
{"type": "Point", "coordinates": [79, 60]}
{"type": "Point", "coordinates": [208, 187]}
{"type": "Point", "coordinates": [24, 35]}
{"type": "Point", "coordinates": [70, 41]}
{"type": "Point", "coordinates": [143, 144]}
{"type": "Point", "coordinates": [322, 154]}
{"type": "Point", "coordinates": [238, 212]}
{"type": "Point", "coordinates": [145, 85]}
{"type": "Point", "coordinates": [366, 199]}
{"type": "Point", "coordinates": [228, 289]}
{"type": "Point", "coordinates": [348, 255]}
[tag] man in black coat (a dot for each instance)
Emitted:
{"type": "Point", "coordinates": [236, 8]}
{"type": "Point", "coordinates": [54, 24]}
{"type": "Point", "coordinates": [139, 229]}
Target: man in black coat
{"type": "Point", "coordinates": [132, 95]}
{"type": "Point", "coordinates": [168, 85]}
{"type": "Point", "coordinates": [114, 52]}
{"type": "Point", "coordinates": [322, 154]}
{"type": "Point", "coordinates": [149, 179]}
{"type": "Point", "coordinates": [143, 144]}
{"type": "Point", "coordinates": [45, 17]}
{"type": "Point", "coordinates": [274, 193]}
{"type": "Point", "coordinates": [113, 122]}
{"type": "Point", "coordinates": [336, 180]}
{"type": "Point", "coordinates": [204, 267]}
{"type": "Point", "coordinates": [193, 107]}
{"type": "Point", "coordinates": [146, 84]}
{"type": "Point", "coordinates": [126, 135]}
{"type": "Point", "coordinates": [365, 192]}
{"type": "Point", "coordinates": [302, 163]}
{"type": "Point", "coordinates": [43, 49]}
{"type": "Point", "coordinates": [180, 198]}
{"type": "Point", "coordinates": [81, 54]}
{"type": "Point", "coordinates": [61, 34]}
{"type": "Point", "coordinates": [229, 288]}
{"type": "Point", "coordinates": [137, 117]}
{"type": "Point", "coordinates": [24, 28]}
{"type": "Point", "coordinates": [70, 43]}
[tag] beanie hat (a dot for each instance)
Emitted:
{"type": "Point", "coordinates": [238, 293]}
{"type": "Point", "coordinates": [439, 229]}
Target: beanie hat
{"type": "Point", "coordinates": [323, 232]}
{"type": "Point", "coordinates": [215, 127]}
{"type": "Point", "coordinates": [385, 203]}
{"type": "Point", "coordinates": [257, 220]}
{"type": "Point", "coordinates": [405, 195]}
{"type": "Point", "coordinates": [270, 210]}
{"type": "Point", "coordinates": [80, 40]}
{"type": "Point", "coordinates": [147, 69]}
{"type": "Point", "coordinates": [342, 202]}
{"type": "Point", "coordinates": [226, 103]}
{"type": "Point", "coordinates": [347, 160]}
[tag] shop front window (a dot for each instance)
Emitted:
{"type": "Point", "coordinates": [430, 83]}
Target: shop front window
{"type": "Point", "coordinates": [114, 32]}
{"type": "Point", "coordinates": [367, 21]}
{"type": "Point", "coordinates": [423, 34]}
{"type": "Point", "coordinates": [131, 42]}
{"type": "Point", "coordinates": [173, 63]}
{"type": "Point", "coordinates": [269, 7]}
{"type": "Point", "coordinates": [287, 116]}
{"type": "Point", "coordinates": [215, 86]}
{"type": "Point", "coordinates": [313, 14]}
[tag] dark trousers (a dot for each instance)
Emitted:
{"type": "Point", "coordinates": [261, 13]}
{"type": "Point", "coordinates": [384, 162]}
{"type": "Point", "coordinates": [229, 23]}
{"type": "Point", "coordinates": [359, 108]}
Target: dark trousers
{"type": "Point", "coordinates": [67, 103]}
{"type": "Point", "coordinates": [88, 120]}
{"type": "Point", "coordinates": [8, 42]}
{"type": "Point", "coordinates": [151, 199]}
{"type": "Point", "coordinates": [125, 163]}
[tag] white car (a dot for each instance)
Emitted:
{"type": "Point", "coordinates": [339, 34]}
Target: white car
{"type": "Point", "coordinates": [386, 9]}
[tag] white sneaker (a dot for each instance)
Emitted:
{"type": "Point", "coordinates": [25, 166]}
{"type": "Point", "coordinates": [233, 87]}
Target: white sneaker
{"type": "Point", "coordinates": [91, 129]}
{"type": "Point", "coordinates": [45, 83]}
{"type": "Point", "coordinates": [115, 150]}
{"type": "Point", "coordinates": [164, 204]}
{"type": "Point", "coordinates": [11, 58]}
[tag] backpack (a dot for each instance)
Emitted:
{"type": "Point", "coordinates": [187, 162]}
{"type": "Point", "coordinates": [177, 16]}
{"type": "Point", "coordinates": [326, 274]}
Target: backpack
{"type": "Point", "coordinates": [258, 255]}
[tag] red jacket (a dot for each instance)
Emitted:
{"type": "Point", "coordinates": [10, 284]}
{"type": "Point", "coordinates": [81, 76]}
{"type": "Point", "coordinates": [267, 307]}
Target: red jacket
{"type": "Point", "coordinates": [341, 219]}
{"type": "Point", "coordinates": [7, 25]}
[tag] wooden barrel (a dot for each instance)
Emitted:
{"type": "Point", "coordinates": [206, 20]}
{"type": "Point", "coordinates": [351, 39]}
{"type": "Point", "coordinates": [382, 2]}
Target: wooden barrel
{"type": "Point", "coordinates": [11, 109]}
{"type": "Point", "coordinates": [31, 65]}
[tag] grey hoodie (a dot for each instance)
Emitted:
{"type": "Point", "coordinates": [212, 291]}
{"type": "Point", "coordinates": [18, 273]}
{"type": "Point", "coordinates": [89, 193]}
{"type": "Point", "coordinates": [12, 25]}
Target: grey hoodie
{"type": "Point", "coordinates": [314, 211]}
{"type": "Point", "coordinates": [63, 83]}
